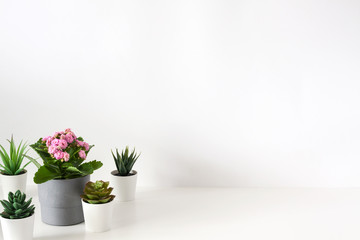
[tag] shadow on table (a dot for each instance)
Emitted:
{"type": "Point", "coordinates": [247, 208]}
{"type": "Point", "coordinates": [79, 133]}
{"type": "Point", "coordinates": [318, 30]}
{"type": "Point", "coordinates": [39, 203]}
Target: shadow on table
{"type": "Point", "coordinates": [79, 236]}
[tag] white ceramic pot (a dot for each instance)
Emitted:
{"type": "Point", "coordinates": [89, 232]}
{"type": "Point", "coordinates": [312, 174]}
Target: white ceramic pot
{"type": "Point", "coordinates": [124, 186]}
{"type": "Point", "coordinates": [18, 229]}
{"type": "Point", "coordinates": [12, 183]}
{"type": "Point", "coordinates": [98, 217]}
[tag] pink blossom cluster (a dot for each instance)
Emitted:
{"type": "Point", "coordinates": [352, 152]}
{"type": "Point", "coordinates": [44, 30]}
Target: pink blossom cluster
{"type": "Point", "coordinates": [61, 141]}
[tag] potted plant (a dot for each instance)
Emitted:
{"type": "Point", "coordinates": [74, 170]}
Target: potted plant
{"type": "Point", "coordinates": [17, 219]}
{"type": "Point", "coordinates": [97, 203]}
{"type": "Point", "coordinates": [62, 177]}
{"type": "Point", "coordinates": [13, 175]}
{"type": "Point", "coordinates": [124, 178]}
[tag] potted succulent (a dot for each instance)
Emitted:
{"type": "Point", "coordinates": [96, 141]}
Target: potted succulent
{"type": "Point", "coordinates": [124, 178]}
{"type": "Point", "coordinates": [17, 219]}
{"type": "Point", "coordinates": [62, 177]}
{"type": "Point", "coordinates": [97, 203]}
{"type": "Point", "coordinates": [13, 175]}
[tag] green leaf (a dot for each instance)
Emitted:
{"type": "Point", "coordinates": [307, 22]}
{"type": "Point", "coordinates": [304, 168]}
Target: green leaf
{"type": "Point", "coordinates": [4, 157]}
{"type": "Point", "coordinates": [10, 196]}
{"type": "Point", "coordinates": [73, 170]}
{"type": "Point", "coordinates": [26, 164]}
{"type": "Point", "coordinates": [33, 160]}
{"type": "Point", "coordinates": [54, 165]}
{"type": "Point", "coordinates": [12, 154]}
{"type": "Point", "coordinates": [17, 194]}
{"type": "Point", "coordinates": [90, 147]}
{"type": "Point", "coordinates": [9, 211]}
{"type": "Point", "coordinates": [89, 167]}
{"type": "Point", "coordinates": [41, 151]}
{"type": "Point", "coordinates": [22, 198]}
{"type": "Point", "coordinates": [7, 205]}
{"type": "Point", "coordinates": [26, 204]}
{"type": "Point", "coordinates": [20, 153]}
{"type": "Point", "coordinates": [18, 171]}
{"type": "Point", "coordinates": [90, 196]}
{"type": "Point", "coordinates": [19, 212]}
{"type": "Point", "coordinates": [116, 161]}
{"type": "Point", "coordinates": [17, 205]}
{"type": "Point", "coordinates": [7, 170]}
{"type": "Point", "coordinates": [75, 160]}
{"type": "Point", "coordinates": [130, 166]}
{"type": "Point", "coordinates": [44, 174]}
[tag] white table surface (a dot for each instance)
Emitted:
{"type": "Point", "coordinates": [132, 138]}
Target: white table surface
{"type": "Point", "coordinates": [224, 213]}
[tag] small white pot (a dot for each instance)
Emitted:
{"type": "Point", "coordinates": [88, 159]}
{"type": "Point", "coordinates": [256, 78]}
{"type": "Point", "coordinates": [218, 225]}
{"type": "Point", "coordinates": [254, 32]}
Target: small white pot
{"type": "Point", "coordinates": [18, 229]}
{"type": "Point", "coordinates": [98, 217]}
{"type": "Point", "coordinates": [124, 186]}
{"type": "Point", "coordinates": [12, 183]}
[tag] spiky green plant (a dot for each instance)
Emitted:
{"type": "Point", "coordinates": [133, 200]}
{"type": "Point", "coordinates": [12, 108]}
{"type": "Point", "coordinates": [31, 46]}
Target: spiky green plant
{"type": "Point", "coordinates": [16, 207]}
{"type": "Point", "coordinates": [97, 192]}
{"type": "Point", "coordinates": [125, 162]}
{"type": "Point", "coordinates": [11, 163]}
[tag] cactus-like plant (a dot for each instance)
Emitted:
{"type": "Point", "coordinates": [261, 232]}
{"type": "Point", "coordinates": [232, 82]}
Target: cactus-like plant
{"type": "Point", "coordinates": [17, 207]}
{"type": "Point", "coordinates": [125, 162]}
{"type": "Point", "coordinates": [97, 192]}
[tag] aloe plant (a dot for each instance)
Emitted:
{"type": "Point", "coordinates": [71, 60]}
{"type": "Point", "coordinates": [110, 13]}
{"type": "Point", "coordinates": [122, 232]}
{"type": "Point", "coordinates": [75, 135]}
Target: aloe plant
{"type": "Point", "coordinates": [16, 207]}
{"type": "Point", "coordinates": [11, 162]}
{"type": "Point", "coordinates": [125, 162]}
{"type": "Point", "coordinates": [97, 192]}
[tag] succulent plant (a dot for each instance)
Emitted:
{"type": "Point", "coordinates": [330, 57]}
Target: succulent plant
{"type": "Point", "coordinates": [11, 162]}
{"type": "Point", "coordinates": [97, 192]}
{"type": "Point", "coordinates": [17, 207]}
{"type": "Point", "coordinates": [124, 162]}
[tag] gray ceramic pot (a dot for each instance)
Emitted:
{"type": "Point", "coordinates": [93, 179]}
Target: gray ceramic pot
{"type": "Point", "coordinates": [60, 201]}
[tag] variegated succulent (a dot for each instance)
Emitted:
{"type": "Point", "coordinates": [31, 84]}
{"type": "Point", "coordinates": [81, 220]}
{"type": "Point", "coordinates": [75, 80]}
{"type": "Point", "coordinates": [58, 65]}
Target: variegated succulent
{"type": "Point", "coordinates": [97, 192]}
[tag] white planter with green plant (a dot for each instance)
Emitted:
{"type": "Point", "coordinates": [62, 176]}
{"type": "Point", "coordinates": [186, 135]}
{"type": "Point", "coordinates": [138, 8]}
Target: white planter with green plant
{"type": "Point", "coordinates": [17, 219]}
{"type": "Point", "coordinates": [13, 175]}
{"type": "Point", "coordinates": [97, 203]}
{"type": "Point", "coordinates": [124, 178]}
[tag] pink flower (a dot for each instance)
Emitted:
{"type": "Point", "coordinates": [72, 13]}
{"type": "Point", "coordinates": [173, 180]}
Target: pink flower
{"type": "Point", "coordinates": [69, 138]}
{"type": "Point", "coordinates": [82, 154]}
{"type": "Point", "coordinates": [55, 142]}
{"type": "Point", "coordinates": [73, 134]}
{"type": "Point", "coordinates": [68, 131]}
{"type": "Point", "coordinates": [66, 156]}
{"type": "Point", "coordinates": [80, 143]}
{"type": "Point", "coordinates": [48, 141]}
{"type": "Point", "coordinates": [59, 155]}
{"type": "Point", "coordinates": [52, 149]}
{"type": "Point", "coordinates": [63, 136]}
{"type": "Point", "coordinates": [62, 143]}
{"type": "Point", "coordinates": [56, 134]}
{"type": "Point", "coordinates": [86, 145]}
{"type": "Point", "coordinates": [45, 138]}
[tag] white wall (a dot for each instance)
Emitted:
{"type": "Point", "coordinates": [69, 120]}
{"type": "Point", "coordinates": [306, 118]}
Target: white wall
{"type": "Point", "coordinates": [213, 93]}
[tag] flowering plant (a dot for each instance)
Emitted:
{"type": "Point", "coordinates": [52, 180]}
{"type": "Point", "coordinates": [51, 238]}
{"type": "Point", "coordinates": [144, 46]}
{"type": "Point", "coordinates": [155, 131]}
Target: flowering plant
{"type": "Point", "coordinates": [63, 154]}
